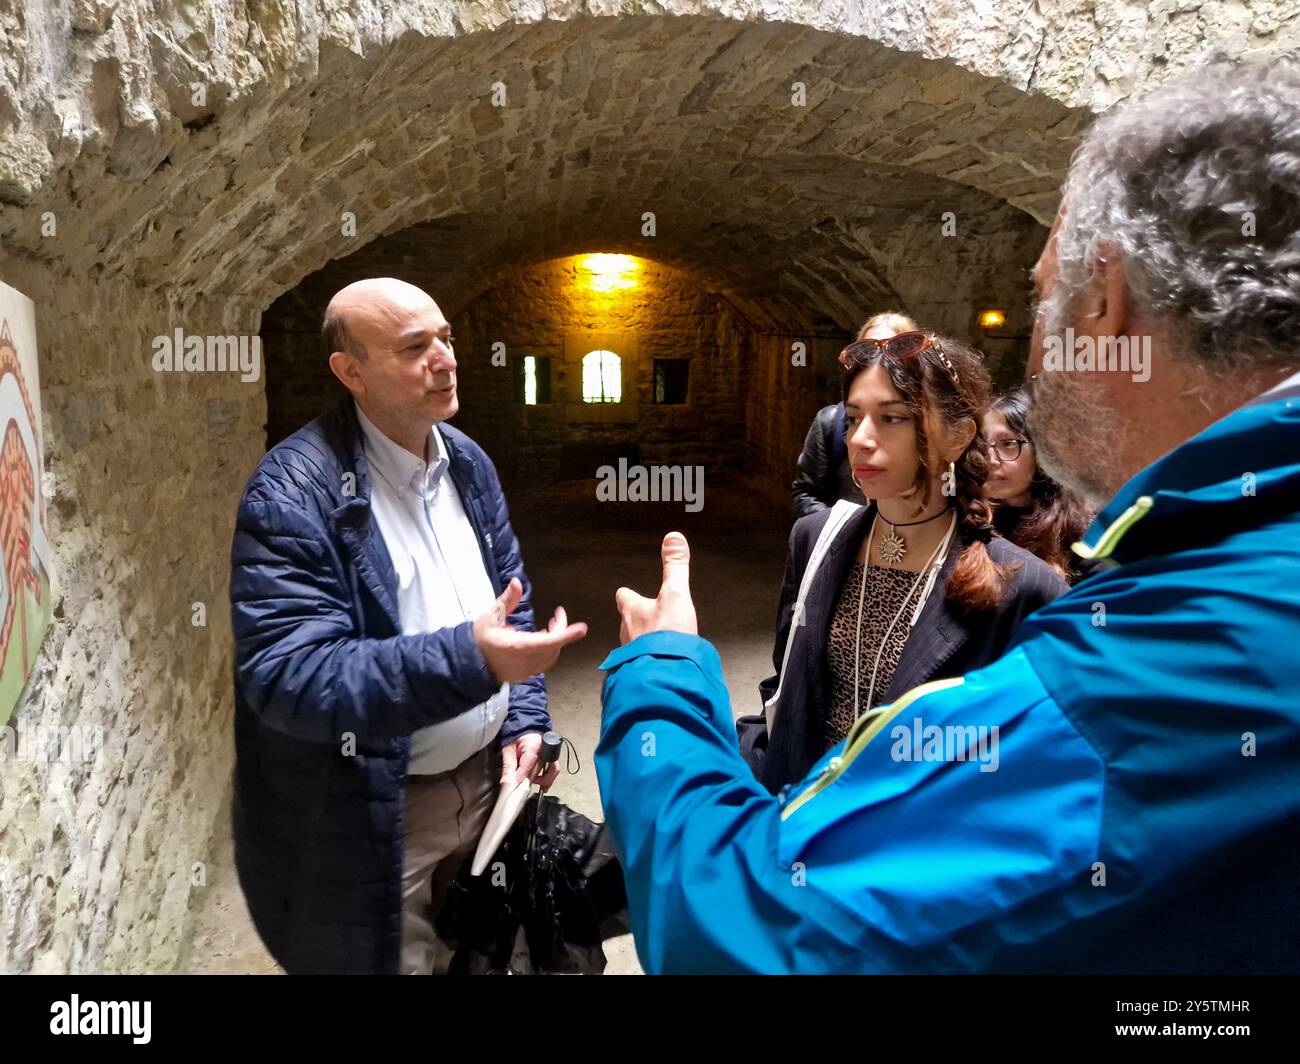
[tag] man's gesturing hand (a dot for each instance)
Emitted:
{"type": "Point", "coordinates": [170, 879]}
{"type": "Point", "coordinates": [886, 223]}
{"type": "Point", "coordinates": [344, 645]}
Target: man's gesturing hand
{"type": "Point", "coordinates": [673, 610]}
{"type": "Point", "coordinates": [512, 655]}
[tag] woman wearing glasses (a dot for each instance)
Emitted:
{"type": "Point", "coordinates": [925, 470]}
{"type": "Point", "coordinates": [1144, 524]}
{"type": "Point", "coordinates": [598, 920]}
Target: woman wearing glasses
{"type": "Point", "coordinates": [1032, 510]}
{"type": "Point", "coordinates": [914, 586]}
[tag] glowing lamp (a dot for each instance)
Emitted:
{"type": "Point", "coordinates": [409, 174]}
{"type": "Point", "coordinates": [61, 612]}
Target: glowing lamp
{"type": "Point", "coordinates": [609, 273]}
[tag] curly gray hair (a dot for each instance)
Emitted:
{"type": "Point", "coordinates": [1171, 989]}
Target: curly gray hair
{"type": "Point", "coordinates": [1198, 186]}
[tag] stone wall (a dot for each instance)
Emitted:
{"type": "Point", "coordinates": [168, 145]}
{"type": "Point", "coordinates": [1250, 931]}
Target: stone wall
{"type": "Point", "coordinates": [549, 311]}
{"type": "Point", "coordinates": [98, 852]}
{"type": "Point", "coordinates": [202, 159]}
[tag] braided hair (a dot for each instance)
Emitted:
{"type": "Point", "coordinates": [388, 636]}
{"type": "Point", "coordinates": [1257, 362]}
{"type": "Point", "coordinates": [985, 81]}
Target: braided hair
{"type": "Point", "coordinates": [944, 386]}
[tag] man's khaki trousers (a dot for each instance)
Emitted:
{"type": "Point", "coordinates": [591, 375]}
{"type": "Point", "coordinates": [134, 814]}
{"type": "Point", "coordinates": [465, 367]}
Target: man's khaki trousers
{"type": "Point", "coordinates": [445, 815]}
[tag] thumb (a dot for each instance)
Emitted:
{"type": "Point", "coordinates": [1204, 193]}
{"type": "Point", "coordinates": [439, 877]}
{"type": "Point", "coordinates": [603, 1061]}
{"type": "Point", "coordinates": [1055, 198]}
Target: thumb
{"type": "Point", "coordinates": [676, 554]}
{"type": "Point", "coordinates": [625, 597]}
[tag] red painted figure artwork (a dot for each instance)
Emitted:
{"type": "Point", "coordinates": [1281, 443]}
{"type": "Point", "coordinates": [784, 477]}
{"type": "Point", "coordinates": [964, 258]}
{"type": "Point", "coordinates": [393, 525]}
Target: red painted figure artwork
{"type": "Point", "coordinates": [24, 549]}
{"type": "Point", "coordinates": [17, 492]}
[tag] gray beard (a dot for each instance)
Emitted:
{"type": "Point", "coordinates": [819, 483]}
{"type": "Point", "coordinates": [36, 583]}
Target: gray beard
{"type": "Point", "coordinates": [1062, 413]}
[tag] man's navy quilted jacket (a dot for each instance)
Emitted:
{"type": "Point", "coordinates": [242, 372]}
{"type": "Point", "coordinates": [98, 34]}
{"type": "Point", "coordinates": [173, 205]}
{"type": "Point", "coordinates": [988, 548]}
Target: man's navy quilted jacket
{"type": "Point", "coordinates": [328, 692]}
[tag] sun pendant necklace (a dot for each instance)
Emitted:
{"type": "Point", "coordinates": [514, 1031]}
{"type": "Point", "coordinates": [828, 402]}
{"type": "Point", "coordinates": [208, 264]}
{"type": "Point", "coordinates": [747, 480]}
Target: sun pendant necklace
{"type": "Point", "coordinates": [893, 547]}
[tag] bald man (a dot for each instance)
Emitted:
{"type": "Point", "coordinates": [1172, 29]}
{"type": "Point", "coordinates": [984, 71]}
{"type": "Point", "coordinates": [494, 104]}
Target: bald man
{"type": "Point", "coordinates": [387, 673]}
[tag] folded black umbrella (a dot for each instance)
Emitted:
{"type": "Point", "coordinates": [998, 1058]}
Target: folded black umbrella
{"type": "Point", "coordinates": [550, 896]}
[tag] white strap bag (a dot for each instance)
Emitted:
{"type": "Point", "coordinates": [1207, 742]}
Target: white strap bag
{"type": "Point", "coordinates": [840, 513]}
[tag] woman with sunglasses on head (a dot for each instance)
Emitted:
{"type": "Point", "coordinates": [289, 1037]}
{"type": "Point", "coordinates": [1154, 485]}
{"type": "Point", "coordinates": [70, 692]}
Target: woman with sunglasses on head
{"type": "Point", "coordinates": [1031, 509]}
{"type": "Point", "coordinates": [823, 474]}
{"type": "Point", "coordinates": [912, 587]}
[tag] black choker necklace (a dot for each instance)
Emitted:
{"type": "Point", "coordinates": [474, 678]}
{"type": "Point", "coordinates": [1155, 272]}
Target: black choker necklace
{"type": "Point", "coordinates": [924, 520]}
{"type": "Point", "coordinates": [892, 547]}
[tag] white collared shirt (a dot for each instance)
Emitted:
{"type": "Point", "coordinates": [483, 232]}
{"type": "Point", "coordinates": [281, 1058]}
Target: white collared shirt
{"type": "Point", "coordinates": [441, 578]}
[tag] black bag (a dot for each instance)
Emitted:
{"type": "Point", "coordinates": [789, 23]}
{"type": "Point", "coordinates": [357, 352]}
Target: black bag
{"type": "Point", "coordinates": [552, 893]}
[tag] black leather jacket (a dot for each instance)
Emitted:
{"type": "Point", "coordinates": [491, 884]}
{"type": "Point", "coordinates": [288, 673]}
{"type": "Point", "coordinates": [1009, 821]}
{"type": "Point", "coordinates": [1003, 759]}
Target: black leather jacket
{"type": "Point", "coordinates": [824, 475]}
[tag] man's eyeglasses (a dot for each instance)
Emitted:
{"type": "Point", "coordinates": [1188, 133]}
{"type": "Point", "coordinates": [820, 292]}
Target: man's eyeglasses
{"type": "Point", "coordinates": [1007, 450]}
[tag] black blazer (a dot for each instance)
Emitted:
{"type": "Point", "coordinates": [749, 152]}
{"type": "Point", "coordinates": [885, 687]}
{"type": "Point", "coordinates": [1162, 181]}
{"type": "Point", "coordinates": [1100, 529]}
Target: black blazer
{"type": "Point", "coordinates": [946, 642]}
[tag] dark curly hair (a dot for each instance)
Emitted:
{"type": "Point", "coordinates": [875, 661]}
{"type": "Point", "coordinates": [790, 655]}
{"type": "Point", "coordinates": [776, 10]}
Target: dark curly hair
{"type": "Point", "coordinates": [939, 402]}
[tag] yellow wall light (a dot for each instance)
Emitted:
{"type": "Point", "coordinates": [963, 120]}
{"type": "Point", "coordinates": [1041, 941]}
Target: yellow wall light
{"type": "Point", "coordinates": [609, 273]}
{"type": "Point", "coordinates": [992, 319]}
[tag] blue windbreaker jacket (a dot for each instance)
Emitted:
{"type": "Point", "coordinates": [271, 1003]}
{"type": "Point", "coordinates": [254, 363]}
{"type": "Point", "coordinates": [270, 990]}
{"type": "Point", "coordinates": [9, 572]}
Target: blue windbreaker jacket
{"type": "Point", "coordinates": [1119, 793]}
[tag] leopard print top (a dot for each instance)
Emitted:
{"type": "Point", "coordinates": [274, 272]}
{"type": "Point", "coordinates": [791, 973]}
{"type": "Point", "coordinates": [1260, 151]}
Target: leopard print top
{"type": "Point", "coordinates": [882, 598]}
